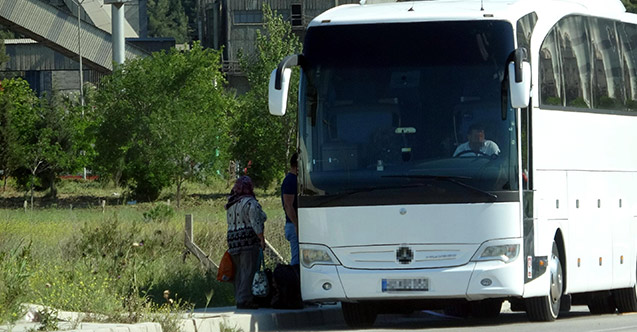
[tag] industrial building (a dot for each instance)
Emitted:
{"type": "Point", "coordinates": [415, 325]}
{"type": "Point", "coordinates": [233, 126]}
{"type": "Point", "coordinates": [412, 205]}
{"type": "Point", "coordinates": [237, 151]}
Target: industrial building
{"type": "Point", "coordinates": [49, 58]}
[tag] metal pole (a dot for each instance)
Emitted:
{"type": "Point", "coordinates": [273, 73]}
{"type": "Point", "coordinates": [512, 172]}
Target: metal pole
{"type": "Point", "coordinates": [117, 10]}
{"type": "Point", "coordinates": [79, 54]}
{"type": "Point", "coordinates": [79, 51]}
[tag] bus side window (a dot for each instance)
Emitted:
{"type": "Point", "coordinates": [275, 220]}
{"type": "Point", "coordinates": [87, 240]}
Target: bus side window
{"type": "Point", "coordinates": [608, 81]}
{"type": "Point", "coordinates": [550, 71]}
{"type": "Point", "coordinates": [575, 52]}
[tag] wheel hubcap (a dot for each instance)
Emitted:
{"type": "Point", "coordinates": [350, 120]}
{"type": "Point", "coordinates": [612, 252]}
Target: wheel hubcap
{"type": "Point", "coordinates": [556, 279]}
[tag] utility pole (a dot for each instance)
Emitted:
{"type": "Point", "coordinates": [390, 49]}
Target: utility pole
{"type": "Point", "coordinates": [79, 50]}
{"type": "Point", "coordinates": [79, 55]}
{"type": "Point", "coordinates": [117, 13]}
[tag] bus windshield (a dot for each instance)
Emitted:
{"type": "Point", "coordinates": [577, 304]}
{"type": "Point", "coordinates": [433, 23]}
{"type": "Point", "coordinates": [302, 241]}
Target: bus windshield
{"type": "Point", "coordinates": [404, 105]}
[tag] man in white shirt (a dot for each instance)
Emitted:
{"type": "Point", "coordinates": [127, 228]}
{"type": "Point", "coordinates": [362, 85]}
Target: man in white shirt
{"type": "Point", "coordinates": [476, 144]}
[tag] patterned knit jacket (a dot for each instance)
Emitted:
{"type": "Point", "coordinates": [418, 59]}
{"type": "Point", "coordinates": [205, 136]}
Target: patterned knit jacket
{"type": "Point", "coordinates": [245, 220]}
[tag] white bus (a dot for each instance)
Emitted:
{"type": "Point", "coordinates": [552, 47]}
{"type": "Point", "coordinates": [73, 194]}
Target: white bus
{"type": "Point", "coordinates": [398, 213]}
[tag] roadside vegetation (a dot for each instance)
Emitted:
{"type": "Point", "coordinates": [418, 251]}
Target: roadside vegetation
{"type": "Point", "coordinates": [121, 263]}
{"type": "Point", "coordinates": [161, 137]}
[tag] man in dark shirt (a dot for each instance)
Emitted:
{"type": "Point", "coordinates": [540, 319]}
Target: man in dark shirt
{"type": "Point", "coordinates": [289, 201]}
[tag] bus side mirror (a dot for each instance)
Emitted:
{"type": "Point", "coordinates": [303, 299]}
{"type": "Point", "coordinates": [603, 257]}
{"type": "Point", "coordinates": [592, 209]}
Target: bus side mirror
{"type": "Point", "coordinates": [280, 84]}
{"type": "Point", "coordinates": [520, 79]}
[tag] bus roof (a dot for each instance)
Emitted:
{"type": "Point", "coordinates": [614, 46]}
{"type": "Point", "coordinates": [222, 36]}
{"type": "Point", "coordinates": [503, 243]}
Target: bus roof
{"type": "Point", "coordinates": [394, 11]}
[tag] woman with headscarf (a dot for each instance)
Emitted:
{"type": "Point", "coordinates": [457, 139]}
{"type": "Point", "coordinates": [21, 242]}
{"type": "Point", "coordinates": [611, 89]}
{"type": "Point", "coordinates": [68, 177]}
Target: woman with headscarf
{"type": "Point", "coordinates": [245, 237]}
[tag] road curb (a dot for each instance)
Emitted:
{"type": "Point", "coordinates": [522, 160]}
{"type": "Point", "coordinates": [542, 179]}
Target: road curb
{"type": "Point", "coordinates": [101, 327]}
{"type": "Point", "coordinates": [211, 320]}
{"type": "Point", "coordinates": [265, 319]}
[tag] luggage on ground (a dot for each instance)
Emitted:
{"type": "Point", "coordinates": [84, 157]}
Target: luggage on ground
{"type": "Point", "coordinates": [286, 284]}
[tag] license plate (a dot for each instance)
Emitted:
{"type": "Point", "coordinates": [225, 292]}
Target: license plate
{"type": "Point", "coordinates": [398, 285]}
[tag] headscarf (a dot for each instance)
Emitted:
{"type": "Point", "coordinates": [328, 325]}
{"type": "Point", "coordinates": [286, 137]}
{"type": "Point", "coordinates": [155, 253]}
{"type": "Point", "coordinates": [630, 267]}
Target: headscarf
{"type": "Point", "coordinates": [243, 187]}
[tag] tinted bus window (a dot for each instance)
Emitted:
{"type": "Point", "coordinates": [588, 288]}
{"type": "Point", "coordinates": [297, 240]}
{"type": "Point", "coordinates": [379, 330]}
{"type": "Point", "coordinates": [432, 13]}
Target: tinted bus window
{"type": "Point", "coordinates": [524, 31]}
{"type": "Point", "coordinates": [627, 34]}
{"type": "Point", "coordinates": [607, 74]}
{"type": "Point", "coordinates": [550, 72]}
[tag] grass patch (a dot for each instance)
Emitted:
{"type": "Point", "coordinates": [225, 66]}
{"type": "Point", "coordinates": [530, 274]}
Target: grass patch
{"type": "Point", "coordinates": [118, 262]}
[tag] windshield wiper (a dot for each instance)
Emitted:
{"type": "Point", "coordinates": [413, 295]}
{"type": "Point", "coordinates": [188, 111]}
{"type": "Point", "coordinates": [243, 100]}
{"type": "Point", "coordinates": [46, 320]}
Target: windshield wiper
{"type": "Point", "coordinates": [452, 179]}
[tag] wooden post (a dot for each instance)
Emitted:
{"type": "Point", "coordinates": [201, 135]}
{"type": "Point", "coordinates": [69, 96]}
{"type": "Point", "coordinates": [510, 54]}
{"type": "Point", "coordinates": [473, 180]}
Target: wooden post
{"type": "Point", "coordinates": [194, 249]}
{"type": "Point", "coordinates": [188, 228]}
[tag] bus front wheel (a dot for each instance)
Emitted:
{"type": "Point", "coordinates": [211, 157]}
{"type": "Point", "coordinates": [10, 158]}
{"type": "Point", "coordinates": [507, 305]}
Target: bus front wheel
{"type": "Point", "coordinates": [359, 315]}
{"type": "Point", "coordinates": [547, 308]}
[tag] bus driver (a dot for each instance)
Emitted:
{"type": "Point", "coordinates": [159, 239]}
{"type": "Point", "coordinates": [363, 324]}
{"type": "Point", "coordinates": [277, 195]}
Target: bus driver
{"type": "Point", "coordinates": [476, 144]}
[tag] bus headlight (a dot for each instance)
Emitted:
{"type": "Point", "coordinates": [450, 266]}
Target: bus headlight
{"type": "Point", "coordinates": [502, 252]}
{"type": "Point", "coordinates": [315, 254]}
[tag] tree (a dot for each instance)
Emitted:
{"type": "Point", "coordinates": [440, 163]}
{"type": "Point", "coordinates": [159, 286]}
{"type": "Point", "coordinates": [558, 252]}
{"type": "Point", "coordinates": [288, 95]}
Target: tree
{"type": "Point", "coordinates": [71, 125]}
{"type": "Point", "coordinates": [4, 34]}
{"type": "Point", "coordinates": [36, 134]}
{"type": "Point", "coordinates": [191, 7]}
{"type": "Point", "coordinates": [167, 18]}
{"type": "Point", "coordinates": [15, 97]}
{"type": "Point", "coordinates": [264, 140]}
{"type": "Point", "coordinates": [631, 5]}
{"type": "Point", "coordinates": [4, 58]}
{"type": "Point", "coordinates": [162, 120]}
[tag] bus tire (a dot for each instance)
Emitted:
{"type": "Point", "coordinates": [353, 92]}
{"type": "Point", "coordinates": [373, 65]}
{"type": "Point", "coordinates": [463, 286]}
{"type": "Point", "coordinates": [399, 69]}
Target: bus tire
{"type": "Point", "coordinates": [359, 315]}
{"type": "Point", "coordinates": [601, 303]}
{"type": "Point", "coordinates": [626, 299]}
{"type": "Point", "coordinates": [489, 308]}
{"type": "Point", "coordinates": [547, 308]}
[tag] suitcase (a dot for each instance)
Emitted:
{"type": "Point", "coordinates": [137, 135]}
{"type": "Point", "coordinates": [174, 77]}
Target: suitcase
{"type": "Point", "coordinates": [286, 284]}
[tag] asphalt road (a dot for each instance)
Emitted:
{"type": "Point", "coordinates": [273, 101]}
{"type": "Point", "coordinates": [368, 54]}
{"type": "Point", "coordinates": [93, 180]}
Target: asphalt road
{"type": "Point", "coordinates": [578, 320]}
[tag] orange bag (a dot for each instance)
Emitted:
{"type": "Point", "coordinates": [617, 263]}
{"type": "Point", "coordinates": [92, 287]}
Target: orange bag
{"type": "Point", "coordinates": [226, 268]}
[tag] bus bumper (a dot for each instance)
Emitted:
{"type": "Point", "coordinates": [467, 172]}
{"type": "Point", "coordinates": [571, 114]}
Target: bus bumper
{"type": "Point", "coordinates": [473, 281]}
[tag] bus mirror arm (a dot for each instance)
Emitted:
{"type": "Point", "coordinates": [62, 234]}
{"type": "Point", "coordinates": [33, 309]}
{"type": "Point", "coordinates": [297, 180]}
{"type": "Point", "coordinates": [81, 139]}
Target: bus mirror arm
{"type": "Point", "coordinates": [280, 84]}
{"type": "Point", "coordinates": [520, 57]}
{"type": "Point", "coordinates": [289, 62]}
{"type": "Point", "coordinates": [518, 74]}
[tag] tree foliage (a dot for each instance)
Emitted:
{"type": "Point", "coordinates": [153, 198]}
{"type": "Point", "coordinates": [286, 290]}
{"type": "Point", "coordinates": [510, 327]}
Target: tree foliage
{"type": "Point", "coordinates": [4, 58]}
{"type": "Point", "coordinates": [264, 140]}
{"type": "Point", "coordinates": [37, 135]}
{"type": "Point", "coordinates": [4, 34]}
{"type": "Point", "coordinates": [167, 18]}
{"type": "Point", "coordinates": [631, 5]}
{"type": "Point", "coordinates": [162, 120]}
{"type": "Point", "coordinates": [190, 9]}
{"type": "Point", "coordinates": [15, 98]}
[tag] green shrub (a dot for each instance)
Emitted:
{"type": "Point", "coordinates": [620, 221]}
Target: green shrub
{"type": "Point", "coordinates": [14, 274]}
{"type": "Point", "coordinates": [105, 245]}
{"type": "Point", "coordinates": [159, 213]}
